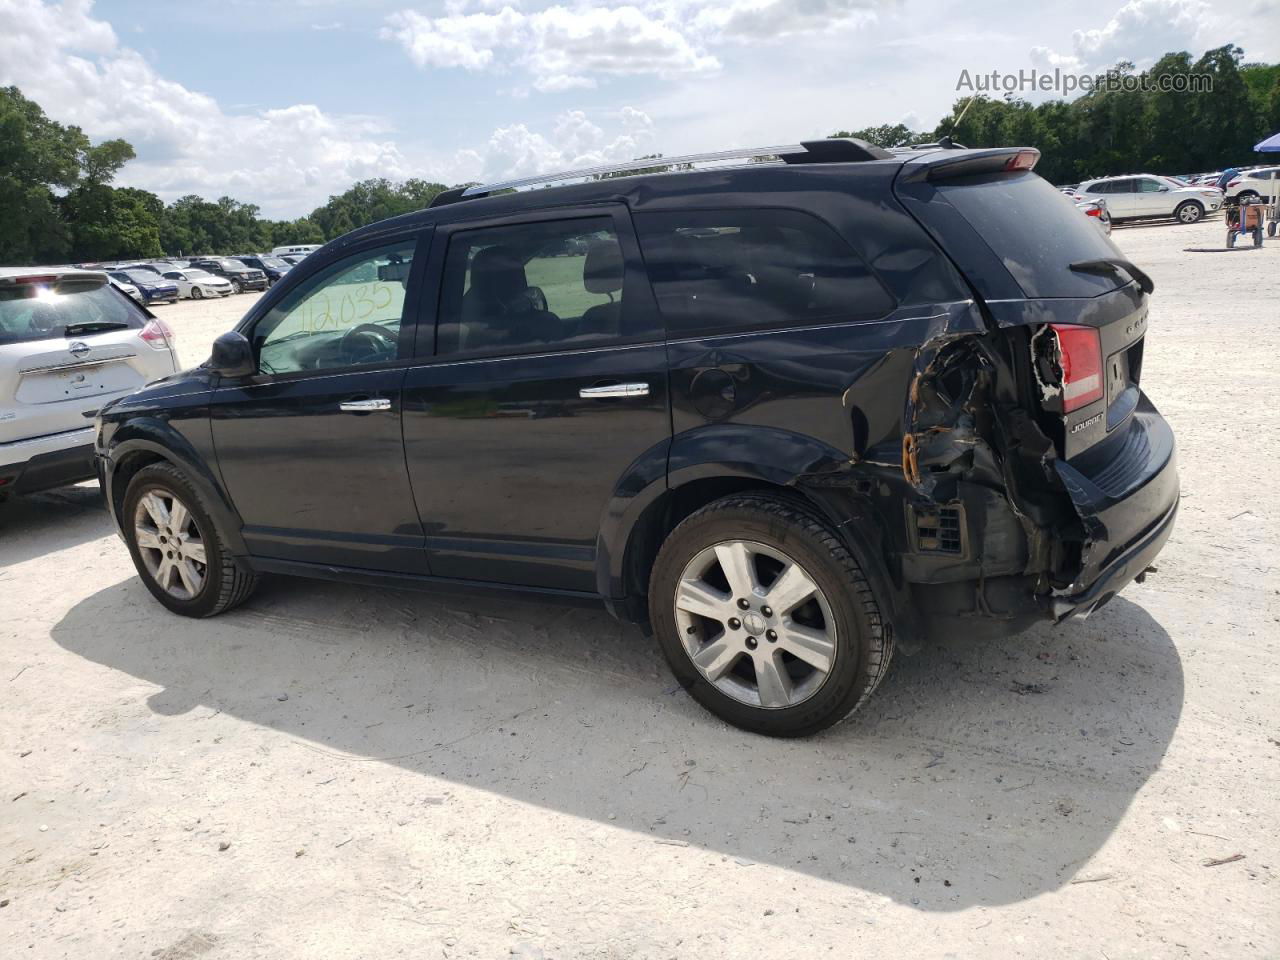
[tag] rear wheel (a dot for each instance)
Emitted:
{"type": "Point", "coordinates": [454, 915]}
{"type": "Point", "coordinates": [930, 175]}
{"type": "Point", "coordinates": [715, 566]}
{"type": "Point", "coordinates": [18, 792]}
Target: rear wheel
{"type": "Point", "coordinates": [766, 618]}
{"type": "Point", "coordinates": [176, 547]}
{"type": "Point", "coordinates": [1189, 212]}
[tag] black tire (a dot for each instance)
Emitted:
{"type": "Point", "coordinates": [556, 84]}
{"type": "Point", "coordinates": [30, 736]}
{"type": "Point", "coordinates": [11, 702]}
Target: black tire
{"type": "Point", "coordinates": [1231, 238]}
{"type": "Point", "coordinates": [1271, 228]}
{"type": "Point", "coordinates": [864, 645]}
{"type": "Point", "coordinates": [196, 293]}
{"type": "Point", "coordinates": [1189, 212]}
{"type": "Point", "coordinates": [1257, 236]}
{"type": "Point", "coordinates": [236, 287]}
{"type": "Point", "coordinates": [227, 581]}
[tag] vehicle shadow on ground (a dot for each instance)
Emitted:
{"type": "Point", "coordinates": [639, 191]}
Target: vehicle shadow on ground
{"type": "Point", "coordinates": [38, 524]}
{"type": "Point", "coordinates": [981, 773]}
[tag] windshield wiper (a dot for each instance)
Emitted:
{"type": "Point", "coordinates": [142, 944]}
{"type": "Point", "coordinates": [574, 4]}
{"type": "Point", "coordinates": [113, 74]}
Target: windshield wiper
{"type": "Point", "coordinates": [1112, 265]}
{"type": "Point", "coordinates": [93, 326]}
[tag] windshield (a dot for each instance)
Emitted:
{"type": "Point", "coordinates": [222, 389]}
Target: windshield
{"type": "Point", "coordinates": [197, 274]}
{"type": "Point", "coordinates": [232, 265]}
{"type": "Point", "coordinates": [44, 313]}
{"type": "Point", "coordinates": [274, 262]}
{"type": "Point", "coordinates": [142, 276]}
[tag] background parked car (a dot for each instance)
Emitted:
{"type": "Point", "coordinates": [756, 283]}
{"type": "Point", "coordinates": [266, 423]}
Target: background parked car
{"type": "Point", "coordinates": [298, 248]}
{"type": "Point", "coordinates": [1147, 195]}
{"type": "Point", "coordinates": [293, 259]}
{"type": "Point", "coordinates": [1259, 182]}
{"type": "Point", "coordinates": [195, 284]}
{"type": "Point", "coordinates": [274, 267]}
{"type": "Point", "coordinates": [128, 289]}
{"type": "Point", "coordinates": [153, 287]}
{"type": "Point", "coordinates": [69, 342]}
{"type": "Point", "coordinates": [1097, 209]}
{"type": "Point", "coordinates": [242, 277]}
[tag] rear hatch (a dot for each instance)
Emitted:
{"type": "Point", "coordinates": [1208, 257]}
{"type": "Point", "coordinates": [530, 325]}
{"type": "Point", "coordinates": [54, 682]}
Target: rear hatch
{"type": "Point", "coordinates": [1074, 311]}
{"type": "Point", "coordinates": [68, 343]}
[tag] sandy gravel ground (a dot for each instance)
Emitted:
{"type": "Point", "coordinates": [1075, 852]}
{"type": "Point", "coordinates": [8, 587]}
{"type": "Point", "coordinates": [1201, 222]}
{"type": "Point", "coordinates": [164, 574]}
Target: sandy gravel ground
{"type": "Point", "coordinates": [342, 772]}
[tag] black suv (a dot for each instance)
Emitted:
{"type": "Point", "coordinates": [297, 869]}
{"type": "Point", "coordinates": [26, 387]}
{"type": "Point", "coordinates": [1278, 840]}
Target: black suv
{"type": "Point", "coordinates": [273, 268]}
{"type": "Point", "coordinates": [242, 276]}
{"type": "Point", "coordinates": [782, 414]}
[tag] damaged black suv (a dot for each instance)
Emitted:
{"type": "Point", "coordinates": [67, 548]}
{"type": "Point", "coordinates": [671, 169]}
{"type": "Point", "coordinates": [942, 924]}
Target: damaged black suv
{"type": "Point", "coordinates": [782, 412]}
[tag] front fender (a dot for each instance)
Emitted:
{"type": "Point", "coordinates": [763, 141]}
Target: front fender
{"type": "Point", "coordinates": [157, 436]}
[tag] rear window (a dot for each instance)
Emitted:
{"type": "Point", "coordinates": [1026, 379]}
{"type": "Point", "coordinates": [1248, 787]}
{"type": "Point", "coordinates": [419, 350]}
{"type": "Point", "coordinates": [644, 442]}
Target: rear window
{"type": "Point", "coordinates": [42, 313]}
{"type": "Point", "coordinates": [720, 271]}
{"type": "Point", "coordinates": [1034, 231]}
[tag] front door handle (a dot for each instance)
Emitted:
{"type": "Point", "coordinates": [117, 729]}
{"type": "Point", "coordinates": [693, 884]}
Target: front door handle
{"type": "Point", "coordinates": [365, 406]}
{"type": "Point", "coordinates": [608, 390]}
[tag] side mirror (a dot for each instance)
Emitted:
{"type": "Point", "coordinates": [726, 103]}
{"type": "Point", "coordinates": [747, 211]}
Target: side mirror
{"type": "Point", "coordinates": [233, 355]}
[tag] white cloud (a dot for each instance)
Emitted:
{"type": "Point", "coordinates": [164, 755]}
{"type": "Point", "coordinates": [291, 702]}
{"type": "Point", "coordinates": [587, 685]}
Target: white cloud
{"type": "Point", "coordinates": [757, 20]}
{"type": "Point", "coordinates": [1140, 31]}
{"type": "Point", "coordinates": [575, 141]}
{"type": "Point", "coordinates": [559, 47]}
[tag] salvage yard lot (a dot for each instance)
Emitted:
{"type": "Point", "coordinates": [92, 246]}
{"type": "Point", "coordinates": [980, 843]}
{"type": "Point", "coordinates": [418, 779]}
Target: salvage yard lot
{"type": "Point", "coordinates": [337, 771]}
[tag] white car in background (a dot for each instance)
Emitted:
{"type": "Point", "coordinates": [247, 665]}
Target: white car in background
{"type": "Point", "coordinates": [69, 342]}
{"type": "Point", "coordinates": [1146, 195]}
{"type": "Point", "coordinates": [1259, 182]}
{"type": "Point", "coordinates": [195, 284]}
{"type": "Point", "coordinates": [128, 289]}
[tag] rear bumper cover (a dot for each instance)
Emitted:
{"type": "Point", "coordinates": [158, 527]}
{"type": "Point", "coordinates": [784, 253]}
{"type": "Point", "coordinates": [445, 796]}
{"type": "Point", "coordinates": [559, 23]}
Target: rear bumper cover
{"type": "Point", "coordinates": [50, 466]}
{"type": "Point", "coordinates": [1128, 509]}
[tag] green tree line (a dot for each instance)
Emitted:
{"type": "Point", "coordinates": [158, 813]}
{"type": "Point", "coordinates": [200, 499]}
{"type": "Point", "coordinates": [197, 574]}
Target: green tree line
{"type": "Point", "coordinates": [57, 202]}
{"type": "Point", "coordinates": [1109, 131]}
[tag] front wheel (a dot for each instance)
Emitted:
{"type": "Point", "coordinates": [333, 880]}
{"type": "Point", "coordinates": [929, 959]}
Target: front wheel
{"type": "Point", "coordinates": [1189, 212]}
{"type": "Point", "coordinates": [176, 547]}
{"type": "Point", "coordinates": [235, 287]}
{"type": "Point", "coordinates": [766, 618]}
{"type": "Point", "coordinates": [196, 293]}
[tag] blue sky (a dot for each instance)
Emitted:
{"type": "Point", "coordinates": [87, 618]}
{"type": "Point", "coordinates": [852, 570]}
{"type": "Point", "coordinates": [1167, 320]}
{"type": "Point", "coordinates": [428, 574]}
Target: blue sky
{"type": "Point", "coordinates": [282, 102]}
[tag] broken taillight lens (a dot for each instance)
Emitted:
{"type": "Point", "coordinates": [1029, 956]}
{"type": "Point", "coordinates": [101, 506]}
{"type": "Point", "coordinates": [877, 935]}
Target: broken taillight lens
{"type": "Point", "coordinates": [1080, 357]}
{"type": "Point", "coordinates": [157, 334]}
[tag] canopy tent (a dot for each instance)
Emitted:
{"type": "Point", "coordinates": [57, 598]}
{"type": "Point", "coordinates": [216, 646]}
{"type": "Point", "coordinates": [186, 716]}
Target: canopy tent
{"type": "Point", "coordinates": [1269, 145]}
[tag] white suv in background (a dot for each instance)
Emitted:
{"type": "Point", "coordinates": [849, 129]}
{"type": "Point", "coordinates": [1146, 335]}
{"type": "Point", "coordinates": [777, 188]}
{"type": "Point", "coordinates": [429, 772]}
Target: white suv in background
{"type": "Point", "coordinates": [69, 342]}
{"type": "Point", "coordinates": [1145, 195]}
{"type": "Point", "coordinates": [1259, 182]}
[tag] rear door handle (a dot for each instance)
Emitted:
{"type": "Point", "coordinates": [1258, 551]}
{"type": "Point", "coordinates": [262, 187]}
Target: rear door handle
{"type": "Point", "coordinates": [365, 406]}
{"type": "Point", "coordinates": [607, 390]}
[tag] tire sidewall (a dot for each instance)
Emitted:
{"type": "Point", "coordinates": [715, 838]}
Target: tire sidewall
{"type": "Point", "coordinates": [1189, 205]}
{"type": "Point", "coordinates": [168, 479]}
{"type": "Point", "coordinates": [850, 674]}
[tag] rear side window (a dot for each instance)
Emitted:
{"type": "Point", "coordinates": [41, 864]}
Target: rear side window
{"type": "Point", "coordinates": [728, 270]}
{"type": "Point", "coordinates": [46, 312]}
{"type": "Point", "coordinates": [1034, 231]}
{"type": "Point", "coordinates": [530, 287]}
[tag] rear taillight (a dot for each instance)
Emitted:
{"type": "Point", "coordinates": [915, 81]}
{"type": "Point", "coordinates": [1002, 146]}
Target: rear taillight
{"type": "Point", "coordinates": [1093, 211]}
{"type": "Point", "coordinates": [1233, 183]}
{"type": "Point", "coordinates": [1080, 357]}
{"type": "Point", "coordinates": [158, 334]}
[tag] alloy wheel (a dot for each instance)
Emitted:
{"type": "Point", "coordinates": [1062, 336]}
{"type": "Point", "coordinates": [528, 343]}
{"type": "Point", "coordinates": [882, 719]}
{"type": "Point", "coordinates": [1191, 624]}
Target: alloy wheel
{"type": "Point", "coordinates": [170, 544]}
{"type": "Point", "coordinates": [755, 624]}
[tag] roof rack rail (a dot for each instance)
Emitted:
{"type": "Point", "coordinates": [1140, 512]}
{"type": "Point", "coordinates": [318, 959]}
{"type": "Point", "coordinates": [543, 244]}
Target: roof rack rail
{"type": "Point", "coordinates": [835, 150]}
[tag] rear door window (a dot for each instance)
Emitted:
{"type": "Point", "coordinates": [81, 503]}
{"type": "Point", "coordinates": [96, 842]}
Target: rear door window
{"type": "Point", "coordinates": [537, 286]}
{"type": "Point", "coordinates": [1033, 230]}
{"type": "Point", "coordinates": [720, 271]}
